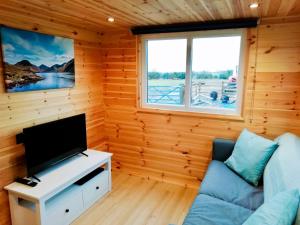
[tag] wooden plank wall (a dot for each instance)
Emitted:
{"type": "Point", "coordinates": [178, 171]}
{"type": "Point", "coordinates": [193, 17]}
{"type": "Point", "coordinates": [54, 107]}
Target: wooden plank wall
{"type": "Point", "coordinates": [19, 110]}
{"type": "Point", "coordinates": [177, 148]}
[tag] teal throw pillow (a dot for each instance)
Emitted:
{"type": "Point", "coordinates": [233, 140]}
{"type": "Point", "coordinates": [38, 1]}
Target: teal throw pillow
{"type": "Point", "coordinates": [250, 155]}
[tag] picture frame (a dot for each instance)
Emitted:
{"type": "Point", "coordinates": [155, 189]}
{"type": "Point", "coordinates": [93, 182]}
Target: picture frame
{"type": "Point", "coordinates": [34, 61]}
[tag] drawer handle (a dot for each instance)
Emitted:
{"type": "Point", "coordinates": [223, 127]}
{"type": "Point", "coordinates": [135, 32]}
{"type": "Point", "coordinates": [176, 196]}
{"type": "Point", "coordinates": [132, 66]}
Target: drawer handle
{"type": "Point", "coordinates": [67, 210]}
{"type": "Point", "coordinates": [97, 188]}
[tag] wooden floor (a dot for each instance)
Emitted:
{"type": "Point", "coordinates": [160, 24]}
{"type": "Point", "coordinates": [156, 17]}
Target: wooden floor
{"type": "Point", "coordinates": [137, 201]}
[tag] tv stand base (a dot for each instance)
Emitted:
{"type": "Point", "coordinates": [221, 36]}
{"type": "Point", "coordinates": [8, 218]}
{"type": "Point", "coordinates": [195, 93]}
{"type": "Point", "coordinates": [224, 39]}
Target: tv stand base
{"type": "Point", "coordinates": [82, 153]}
{"type": "Point", "coordinates": [37, 179]}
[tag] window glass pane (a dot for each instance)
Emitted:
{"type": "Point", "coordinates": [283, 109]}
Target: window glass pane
{"type": "Point", "coordinates": [166, 66]}
{"type": "Point", "coordinates": [215, 72]}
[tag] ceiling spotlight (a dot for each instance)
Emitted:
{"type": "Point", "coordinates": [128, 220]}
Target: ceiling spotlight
{"type": "Point", "coordinates": [253, 5]}
{"type": "Point", "coordinates": [110, 19]}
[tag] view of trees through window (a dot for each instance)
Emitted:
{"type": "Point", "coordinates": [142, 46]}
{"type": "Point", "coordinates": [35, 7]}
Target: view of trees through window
{"type": "Point", "coordinates": [197, 75]}
{"type": "Point", "coordinates": [214, 74]}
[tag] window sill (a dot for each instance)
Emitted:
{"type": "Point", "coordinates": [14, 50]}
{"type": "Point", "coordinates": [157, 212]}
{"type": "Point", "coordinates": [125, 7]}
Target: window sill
{"type": "Point", "coordinates": [194, 114]}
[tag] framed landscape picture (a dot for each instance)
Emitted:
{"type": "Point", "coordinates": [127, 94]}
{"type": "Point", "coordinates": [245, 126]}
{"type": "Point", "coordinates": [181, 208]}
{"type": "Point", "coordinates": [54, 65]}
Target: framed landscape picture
{"type": "Point", "coordinates": [34, 61]}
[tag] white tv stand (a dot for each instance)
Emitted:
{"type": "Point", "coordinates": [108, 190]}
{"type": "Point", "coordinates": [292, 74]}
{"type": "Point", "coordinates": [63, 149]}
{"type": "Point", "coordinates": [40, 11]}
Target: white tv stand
{"type": "Point", "coordinates": [57, 200]}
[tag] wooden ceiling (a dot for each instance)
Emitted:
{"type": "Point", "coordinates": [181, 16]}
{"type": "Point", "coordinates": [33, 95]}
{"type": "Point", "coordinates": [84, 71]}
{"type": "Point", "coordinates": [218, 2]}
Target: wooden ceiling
{"type": "Point", "coordinates": [92, 14]}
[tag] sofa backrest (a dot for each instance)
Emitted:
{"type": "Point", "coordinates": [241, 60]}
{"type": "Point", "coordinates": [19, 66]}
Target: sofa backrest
{"type": "Point", "coordinates": [283, 169]}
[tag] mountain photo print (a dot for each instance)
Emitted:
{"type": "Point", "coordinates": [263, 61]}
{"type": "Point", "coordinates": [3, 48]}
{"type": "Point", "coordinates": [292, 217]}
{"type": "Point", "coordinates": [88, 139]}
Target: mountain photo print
{"type": "Point", "coordinates": [34, 61]}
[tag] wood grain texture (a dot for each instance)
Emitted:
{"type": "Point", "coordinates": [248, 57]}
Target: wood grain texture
{"type": "Point", "coordinates": [138, 201]}
{"type": "Point", "coordinates": [20, 110]}
{"type": "Point", "coordinates": [176, 148]}
{"type": "Point", "coordinates": [86, 19]}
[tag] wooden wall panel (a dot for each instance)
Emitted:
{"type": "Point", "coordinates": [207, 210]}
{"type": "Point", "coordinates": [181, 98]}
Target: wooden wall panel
{"type": "Point", "coordinates": [19, 110]}
{"type": "Point", "coordinates": [177, 148]}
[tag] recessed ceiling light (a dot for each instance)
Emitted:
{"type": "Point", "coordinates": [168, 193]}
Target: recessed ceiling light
{"type": "Point", "coordinates": [110, 19]}
{"type": "Point", "coordinates": [253, 5]}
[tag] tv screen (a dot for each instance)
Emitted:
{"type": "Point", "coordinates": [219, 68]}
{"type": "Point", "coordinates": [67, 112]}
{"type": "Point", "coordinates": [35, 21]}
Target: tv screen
{"type": "Point", "coordinates": [50, 143]}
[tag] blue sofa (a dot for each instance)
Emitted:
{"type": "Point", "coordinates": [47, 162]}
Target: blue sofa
{"type": "Point", "coordinates": [224, 198]}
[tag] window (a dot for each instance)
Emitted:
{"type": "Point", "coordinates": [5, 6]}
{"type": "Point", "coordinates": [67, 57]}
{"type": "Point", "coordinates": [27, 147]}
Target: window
{"type": "Point", "coordinates": [166, 68]}
{"type": "Point", "coordinates": [196, 71]}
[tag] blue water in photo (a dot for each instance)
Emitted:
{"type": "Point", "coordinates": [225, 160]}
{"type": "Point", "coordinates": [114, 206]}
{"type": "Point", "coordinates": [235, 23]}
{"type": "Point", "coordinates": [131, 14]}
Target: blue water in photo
{"type": "Point", "coordinates": [51, 81]}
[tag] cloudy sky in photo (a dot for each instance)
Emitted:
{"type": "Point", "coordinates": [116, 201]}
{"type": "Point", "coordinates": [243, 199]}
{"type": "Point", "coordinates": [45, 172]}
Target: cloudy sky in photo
{"type": "Point", "coordinates": [18, 45]}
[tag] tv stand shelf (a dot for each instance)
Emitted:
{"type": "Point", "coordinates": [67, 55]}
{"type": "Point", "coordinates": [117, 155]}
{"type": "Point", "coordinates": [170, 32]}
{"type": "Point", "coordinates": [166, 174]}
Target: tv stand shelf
{"type": "Point", "coordinates": [57, 200]}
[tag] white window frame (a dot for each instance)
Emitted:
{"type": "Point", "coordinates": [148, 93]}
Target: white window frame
{"type": "Point", "coordinates": [186, 107]}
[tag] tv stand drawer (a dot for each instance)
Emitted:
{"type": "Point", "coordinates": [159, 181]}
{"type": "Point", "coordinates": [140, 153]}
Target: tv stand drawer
{"type": "Point", "coordinates": [65, 207]}
{"type": "Point", "coordinates": [94, 189]}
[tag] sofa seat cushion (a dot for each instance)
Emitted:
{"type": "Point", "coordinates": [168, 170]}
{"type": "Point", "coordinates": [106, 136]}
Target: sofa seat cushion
{"type": "Point", "coordinates": [207, 210]}
{"type": "Point", "coordinates": [222, 183]}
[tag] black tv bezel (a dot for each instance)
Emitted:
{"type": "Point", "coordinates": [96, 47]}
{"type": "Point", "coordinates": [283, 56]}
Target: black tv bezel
{"type": "Point", "coordinates": [31, 171]}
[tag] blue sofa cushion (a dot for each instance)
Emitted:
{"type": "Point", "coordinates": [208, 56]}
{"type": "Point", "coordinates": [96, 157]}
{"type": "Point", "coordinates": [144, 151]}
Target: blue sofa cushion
{"type": "Point", "coordinates": [207, 210]}
{"type": "Point", "coordinates": [222, 183]}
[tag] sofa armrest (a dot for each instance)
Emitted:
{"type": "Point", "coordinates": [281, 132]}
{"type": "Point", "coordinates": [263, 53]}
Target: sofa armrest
{"type": "Point", "coordinates": [222, 149]}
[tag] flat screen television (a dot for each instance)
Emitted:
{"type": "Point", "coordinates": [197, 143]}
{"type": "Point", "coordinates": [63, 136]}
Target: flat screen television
{"type": "Point", "coordinates": [50, 143]}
